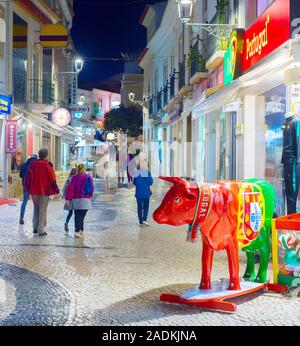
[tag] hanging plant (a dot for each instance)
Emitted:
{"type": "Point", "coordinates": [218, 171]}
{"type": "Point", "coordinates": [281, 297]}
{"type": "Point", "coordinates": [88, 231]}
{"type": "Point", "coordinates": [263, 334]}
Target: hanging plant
{"type": "Point", "coordinates": [195, 56]}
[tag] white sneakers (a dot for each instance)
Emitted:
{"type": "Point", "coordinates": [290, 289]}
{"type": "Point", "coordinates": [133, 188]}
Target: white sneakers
{"type": "Point", "coordinates": [145, 223]}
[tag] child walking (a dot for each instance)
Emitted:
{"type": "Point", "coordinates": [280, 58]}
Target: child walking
{"type": "Point", "coordinates": [68, 206]}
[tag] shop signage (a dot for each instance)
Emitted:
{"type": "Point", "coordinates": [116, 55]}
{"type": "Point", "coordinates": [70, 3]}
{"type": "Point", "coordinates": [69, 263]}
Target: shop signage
{"type": "Point", "coordinates": [19, 36]}
{"type": "Point", "coordinates": [54, 36]}
{"type": "Point", "coordinates": [11, 136]}
{"type": "Point", "coordinates": [5, 104]}
{"type": "Point", "coordinates": [268, 32]}
{"type": "Point", "coordinates": [78, 112]}
{"type": "Point", "coordinates": [61, 117]}
{"type": "Point", "coordinates": [233, 56]}
{"type": "Point", "coordinates": [172, 115]}
{"type": "Point", "coordinates": [74, 89]}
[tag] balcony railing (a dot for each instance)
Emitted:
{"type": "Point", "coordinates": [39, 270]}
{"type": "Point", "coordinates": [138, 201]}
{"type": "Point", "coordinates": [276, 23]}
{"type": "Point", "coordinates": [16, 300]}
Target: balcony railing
{"type": "Point", "coordinates": [165, 95]}
{"type": "Point", "coordinates": [34, 91]}
{"type": "Point", "coordinates": [172, 85]}
{"type": "Point", "coordinates": [214, 44]}
{"type": "Point", "coordinates": [181, 80]}
{"type": "Point", "coordinates": [196, 59]}
{"type": "Point", "coordinates": [159, 100]}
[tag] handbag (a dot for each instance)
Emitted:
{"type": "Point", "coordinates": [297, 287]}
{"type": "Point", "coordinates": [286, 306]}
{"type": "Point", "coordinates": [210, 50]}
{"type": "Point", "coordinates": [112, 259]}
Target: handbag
{"type": "Point", "coordinates": [88, 187]}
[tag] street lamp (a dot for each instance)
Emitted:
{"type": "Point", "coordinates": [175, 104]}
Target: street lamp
{"type": "Point", "coordinates": [78, 65]}
{"type": "Point", "coordinates": [185, 9]}
{"type": "Point", "coordinates": [131, 97]}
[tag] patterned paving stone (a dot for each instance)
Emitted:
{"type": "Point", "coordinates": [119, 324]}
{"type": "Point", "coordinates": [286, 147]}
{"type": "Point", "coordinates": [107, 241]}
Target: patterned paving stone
{"type": "Point", "coordinates": [116, 274]}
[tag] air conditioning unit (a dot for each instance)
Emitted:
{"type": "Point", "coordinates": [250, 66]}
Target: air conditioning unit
{"type": "Point", "coordinates": [292, 76]}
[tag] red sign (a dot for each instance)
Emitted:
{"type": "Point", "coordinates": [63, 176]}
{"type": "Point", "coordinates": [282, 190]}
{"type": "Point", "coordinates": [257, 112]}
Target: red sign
{"type": "Point", "coordinates": [270, 31]}
{"type": "Point", "coordinates": [11, 136]}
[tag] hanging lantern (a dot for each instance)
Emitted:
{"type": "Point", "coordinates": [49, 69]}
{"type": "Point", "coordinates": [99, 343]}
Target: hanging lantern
{"type": "Point", "coordinates": [185, 10]}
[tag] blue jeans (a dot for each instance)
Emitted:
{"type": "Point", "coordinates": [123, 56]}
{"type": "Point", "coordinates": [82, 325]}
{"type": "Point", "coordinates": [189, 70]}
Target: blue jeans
{"type": "Point", "coordinates": [143, 208]}
{"type": "Point", "coordinates": [24, 203]}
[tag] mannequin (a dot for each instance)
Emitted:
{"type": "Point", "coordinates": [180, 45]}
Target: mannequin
{"type": "Point", "coordinates": [291, 160]}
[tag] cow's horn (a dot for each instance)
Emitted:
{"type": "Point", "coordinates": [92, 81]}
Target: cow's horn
{"type": "Point", "coordinates": [174, 180]}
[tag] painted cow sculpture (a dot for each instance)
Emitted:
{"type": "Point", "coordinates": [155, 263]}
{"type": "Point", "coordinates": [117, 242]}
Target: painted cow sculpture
{"type": "Point", "coordinates": [228, 215]}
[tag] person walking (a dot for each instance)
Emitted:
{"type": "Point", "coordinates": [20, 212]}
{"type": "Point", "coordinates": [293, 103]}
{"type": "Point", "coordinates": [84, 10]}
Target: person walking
{"type": "Point", "coordinates": [142, 181]}
{"type": "Point", "coordinates": [80, 192]}
{"type": "Point", "coordinates": [68, 206]}
{"type": "Point", "coordinates": [40, 182]}
{"type": "Point", "coordinates": [23, 171]}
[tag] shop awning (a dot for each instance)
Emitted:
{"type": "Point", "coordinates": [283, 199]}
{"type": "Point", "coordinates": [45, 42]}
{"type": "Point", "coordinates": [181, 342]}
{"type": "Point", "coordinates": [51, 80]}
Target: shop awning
{"type": "Point", "coordinates": [263, 76]}
{"type": "Point", "coordinates": [48, 126]}
{"type": "Point", "coordinates": [216, 100]}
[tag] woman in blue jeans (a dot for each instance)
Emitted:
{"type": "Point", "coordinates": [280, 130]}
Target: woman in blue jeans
{"type": "Point", "coordinates": [142, 181]}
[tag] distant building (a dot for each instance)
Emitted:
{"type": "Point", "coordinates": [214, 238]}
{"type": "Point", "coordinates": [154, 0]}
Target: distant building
{"type": "Point", "coordinates": [132, 81]}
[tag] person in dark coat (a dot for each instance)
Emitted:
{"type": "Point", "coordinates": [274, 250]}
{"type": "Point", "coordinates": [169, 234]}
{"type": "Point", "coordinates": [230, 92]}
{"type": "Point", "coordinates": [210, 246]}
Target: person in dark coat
{"type": "Point", "coordinates": [142, 181]}
{"type": "Point", "coordinates": [23, 172]}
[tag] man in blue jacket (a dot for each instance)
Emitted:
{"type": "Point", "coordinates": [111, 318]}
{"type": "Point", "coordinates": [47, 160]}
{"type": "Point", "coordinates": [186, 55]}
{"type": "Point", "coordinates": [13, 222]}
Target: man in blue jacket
{"type": "Point", "coordinates": [142, 181]}
{"type": "Point", "coordinates": [23, 172]}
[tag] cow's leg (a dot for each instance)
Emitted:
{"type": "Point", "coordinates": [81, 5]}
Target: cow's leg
{"type": "Point", "coordinates": [207, 259]}
{"type": "Point", "coordinates": [234, 265]}
{"type": "Point", "coordinates": [264, 251]}
{"type": "Point", "coordinates": [250, 269]}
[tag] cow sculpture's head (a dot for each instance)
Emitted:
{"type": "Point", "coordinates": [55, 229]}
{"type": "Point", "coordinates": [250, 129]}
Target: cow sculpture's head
{"type": "Point", "coordinates": [179, 205]}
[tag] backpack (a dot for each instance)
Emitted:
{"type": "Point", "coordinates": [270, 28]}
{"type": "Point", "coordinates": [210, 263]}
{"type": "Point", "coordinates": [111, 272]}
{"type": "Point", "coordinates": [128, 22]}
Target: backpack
{"type": "Point", "coordinates": [88, 187]}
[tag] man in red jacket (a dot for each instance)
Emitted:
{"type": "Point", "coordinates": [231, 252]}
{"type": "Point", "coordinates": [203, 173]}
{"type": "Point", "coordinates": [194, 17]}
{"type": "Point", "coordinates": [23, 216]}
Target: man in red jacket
{"type": "Point", "coordinates": [40, 182]}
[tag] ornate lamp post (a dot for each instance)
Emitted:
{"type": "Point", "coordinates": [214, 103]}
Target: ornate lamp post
{"type": "Point", "coordinates": [185, 11]}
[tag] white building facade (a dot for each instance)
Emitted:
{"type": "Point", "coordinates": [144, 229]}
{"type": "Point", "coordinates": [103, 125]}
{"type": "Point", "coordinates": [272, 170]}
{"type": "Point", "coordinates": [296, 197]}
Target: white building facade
{"type": "Point", "coordinates": [37, 78]}
{"type": "Point", "coordinates": [234, 123]}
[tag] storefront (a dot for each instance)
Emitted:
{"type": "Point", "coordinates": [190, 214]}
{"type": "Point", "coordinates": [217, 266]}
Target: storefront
{"type": "Point", "coordinates": [248, 135]}
{"type": "Point", "coordinates": [172, 137]}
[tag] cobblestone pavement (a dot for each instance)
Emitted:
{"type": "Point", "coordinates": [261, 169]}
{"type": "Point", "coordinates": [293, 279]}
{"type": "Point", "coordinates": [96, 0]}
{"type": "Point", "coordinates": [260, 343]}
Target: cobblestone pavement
{"type": "Point", "coordinates": [115, 275]}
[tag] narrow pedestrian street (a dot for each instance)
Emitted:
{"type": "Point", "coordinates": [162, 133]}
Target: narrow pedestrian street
{"type": "Point", "coordinates": [115, 275]}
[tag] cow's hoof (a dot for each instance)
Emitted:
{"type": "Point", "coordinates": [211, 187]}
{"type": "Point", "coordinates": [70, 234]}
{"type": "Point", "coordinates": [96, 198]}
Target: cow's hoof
{"type": "Point", "coordinates": [249, 276]}
{"type": "Point", "coordinates": [205, 285]}
{"type": "Point", "coordinates": [234, 286]}
{"type": "Point", "coordinates": [262, 279]}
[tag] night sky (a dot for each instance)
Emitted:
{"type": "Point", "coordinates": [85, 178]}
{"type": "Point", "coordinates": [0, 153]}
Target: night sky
{"type": "Point", "coordinates": [103, 29]}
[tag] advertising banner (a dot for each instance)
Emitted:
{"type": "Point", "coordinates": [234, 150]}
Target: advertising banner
{"type": "Point", "coordinates": [5, 104]}
{"type": "Point", "coordinates": [11, 136]}
{"type": "Point", "coordinates": [267, 33]}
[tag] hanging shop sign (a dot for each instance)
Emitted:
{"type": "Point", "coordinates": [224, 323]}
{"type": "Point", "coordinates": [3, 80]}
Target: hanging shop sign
{"type": "Point", "coordinates": [233, 56]}
{"type": "Point", "coordinates": [54, 36]}
{"type": "Point", "coordinates": [5, 104]}
{"type": "Point", "coordinates": [78, 112]}
{"type": "Point", "coordinates": [279, 23]}
{"type": "Point", "coordinates": [11, 136]}
{"type": "Point", "coordinates": [19, 36]}
{"type": "Point", "coordinates": [61, 117]}
{"type": "Point", "coordinates": [171, 116]}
